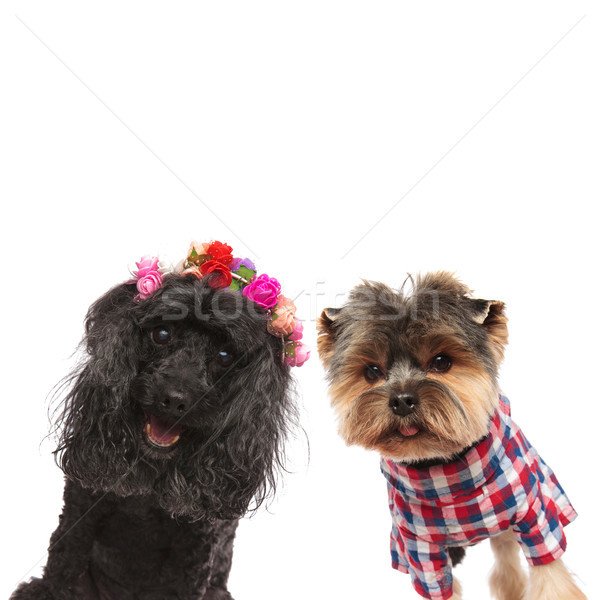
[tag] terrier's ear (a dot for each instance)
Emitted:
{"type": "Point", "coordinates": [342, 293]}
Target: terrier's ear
{"type": "Point", "coordinates": [326, 328]}
{"type": "Point", "coordinates": [490, 315]}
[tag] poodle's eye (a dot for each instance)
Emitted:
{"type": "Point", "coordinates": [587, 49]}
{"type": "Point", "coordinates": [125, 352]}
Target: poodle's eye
{"type": "Point", "coordinates": [373, 373]}
{"type": "Point", "coordinates": [161, 335]}
{"type": "Point", "coordinates": [440, 363]}
{"type": "Point", "coordinates": [224, 358]}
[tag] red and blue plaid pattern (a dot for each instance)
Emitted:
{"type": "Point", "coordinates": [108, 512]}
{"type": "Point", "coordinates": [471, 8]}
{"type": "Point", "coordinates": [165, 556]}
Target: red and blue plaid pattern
{"type": "Point", "coordinates": [499, 484]}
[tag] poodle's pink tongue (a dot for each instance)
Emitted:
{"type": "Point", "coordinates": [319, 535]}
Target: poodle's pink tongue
{"type": "Point", "coordinates": [160, 432]}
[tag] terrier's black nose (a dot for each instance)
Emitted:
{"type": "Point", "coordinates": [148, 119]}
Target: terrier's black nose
{"type": "Point", "coordinates": [174, 402]}
{"type": "Point", "coordinates": [403, 404]}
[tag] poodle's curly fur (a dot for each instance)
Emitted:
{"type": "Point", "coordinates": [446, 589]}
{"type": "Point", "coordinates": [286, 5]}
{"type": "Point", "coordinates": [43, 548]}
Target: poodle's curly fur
{"type": "Point", "coordinates": [142, 521]}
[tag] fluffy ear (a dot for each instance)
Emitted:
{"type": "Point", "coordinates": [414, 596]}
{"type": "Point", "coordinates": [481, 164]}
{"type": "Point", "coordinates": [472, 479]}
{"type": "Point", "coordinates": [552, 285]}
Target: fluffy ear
{"type": "Point", "coordinates": [251, 441]}
{"type": "Point", "coordinates": [490, 315]}
{"type": "Point", "coordinates": [112, 339]}
{"type": "Point", "coordinates": [93, 413]}
{"type": "Point", "coordinates": [326, 328]}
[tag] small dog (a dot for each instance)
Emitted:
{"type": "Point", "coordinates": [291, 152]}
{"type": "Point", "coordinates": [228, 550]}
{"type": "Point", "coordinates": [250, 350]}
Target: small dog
{"type": "Point", "coordinates": [414, 376]}
{"type": "Point", "coordinates": [173, 425]}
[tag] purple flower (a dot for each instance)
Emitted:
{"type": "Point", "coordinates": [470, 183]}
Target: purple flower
{"type": "Point", "coordinates": [242, 262]}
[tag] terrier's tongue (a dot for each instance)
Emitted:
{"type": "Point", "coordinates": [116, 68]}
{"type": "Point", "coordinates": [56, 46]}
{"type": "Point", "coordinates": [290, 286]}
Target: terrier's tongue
{"type": "Point", "coordinates": [409, 431]}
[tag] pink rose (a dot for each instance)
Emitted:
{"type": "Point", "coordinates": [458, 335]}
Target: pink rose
{"type": "Point", "coordinates": [296, 334]}
{"type": "Point", "coordinates": [147, 264]}
{"type": "Point", "coordinates": [283, 319]}
{"type": "Point", "coordinates": [199, 248]}
{"type": "Point", "coordinates": [296, 356]}
{"type": "Point", "coordinates": [263, 290]}
{"type": "Point", "coordinates": [193, 270]}
{"type": "Point", "coordinates": [148, 284]}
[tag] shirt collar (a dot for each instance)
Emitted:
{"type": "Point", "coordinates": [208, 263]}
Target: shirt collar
{"type": "Point", "coordinates": [462, 478]}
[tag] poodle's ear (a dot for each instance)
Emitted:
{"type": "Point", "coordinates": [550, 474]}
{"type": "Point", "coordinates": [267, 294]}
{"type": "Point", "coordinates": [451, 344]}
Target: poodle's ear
{"type": "Point", "coordinates": [112, 337]}
{"type": "Point", "coordinates": [89, 420]}
{"type": "Point", "coordinates": [254, 445]}
{"type": "Point", "coordinates": [326, 328]}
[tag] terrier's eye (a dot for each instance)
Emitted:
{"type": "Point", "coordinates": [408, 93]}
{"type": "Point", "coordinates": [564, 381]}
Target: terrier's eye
{"type": "Point", "coordinates": [373, 373]}
{"type": "Point", "coordinates": [224, 358]}
{"type": "Point", "coordinates": [161, 335]}
{"type": "Point", "coordinates": [440, 363]}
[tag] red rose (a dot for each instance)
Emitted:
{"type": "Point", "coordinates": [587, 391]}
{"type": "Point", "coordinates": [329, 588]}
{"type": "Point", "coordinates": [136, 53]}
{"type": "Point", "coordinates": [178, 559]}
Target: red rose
{"type": "Point", "coordinates": [220, 275]}
{"type": "Point", "coordinates": [220, 252]}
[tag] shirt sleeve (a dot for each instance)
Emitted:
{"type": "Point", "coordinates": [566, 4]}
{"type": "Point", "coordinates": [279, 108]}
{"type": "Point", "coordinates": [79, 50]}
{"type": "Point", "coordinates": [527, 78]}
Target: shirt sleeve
{"type": "Point", "coordinates": [428, 564]}
{"type": "Point", "coordinates": [540, 532]}
{"type": "Point", "coordinates": [429, 568]}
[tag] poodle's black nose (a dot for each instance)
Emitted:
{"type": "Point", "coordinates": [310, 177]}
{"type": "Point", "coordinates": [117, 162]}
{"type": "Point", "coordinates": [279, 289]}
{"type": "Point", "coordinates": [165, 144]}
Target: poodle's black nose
{"type": "Point", "coordinates": [174, 402]}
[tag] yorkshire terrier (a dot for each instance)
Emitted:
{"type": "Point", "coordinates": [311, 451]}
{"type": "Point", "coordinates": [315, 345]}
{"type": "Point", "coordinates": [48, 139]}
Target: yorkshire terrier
{"type": "Point", "coordinates": [171, 429]}
{"type": "Point", "coordinates": [414, 377]}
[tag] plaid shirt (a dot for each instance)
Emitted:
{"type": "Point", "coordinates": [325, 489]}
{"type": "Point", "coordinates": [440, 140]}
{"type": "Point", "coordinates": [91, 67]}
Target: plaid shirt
{"type": "Point", "coordinates": [499, 484]}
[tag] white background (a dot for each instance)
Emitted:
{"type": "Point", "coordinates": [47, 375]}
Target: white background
{"type": "Point", "coordinates": [330, 141]}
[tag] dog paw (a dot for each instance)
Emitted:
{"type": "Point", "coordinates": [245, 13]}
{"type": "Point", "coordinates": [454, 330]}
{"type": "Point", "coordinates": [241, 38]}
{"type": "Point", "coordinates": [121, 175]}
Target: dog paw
{"type": "Point", "coordinates": [34, 589]}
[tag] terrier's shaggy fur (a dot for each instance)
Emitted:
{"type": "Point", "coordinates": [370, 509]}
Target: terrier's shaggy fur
{"type": "Point", "coordinates": [414, 377]}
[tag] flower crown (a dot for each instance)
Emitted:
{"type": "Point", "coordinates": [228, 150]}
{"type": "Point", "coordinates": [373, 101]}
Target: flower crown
{"type": "Point", "coordinates": [237, 274]}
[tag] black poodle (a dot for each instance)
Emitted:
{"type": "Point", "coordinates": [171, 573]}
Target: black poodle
{"type": "Point", "coordinates": [172, 429]}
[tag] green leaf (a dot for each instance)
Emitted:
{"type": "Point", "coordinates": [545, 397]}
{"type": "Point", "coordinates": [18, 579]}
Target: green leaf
{"type": "Point", "coordinates": [197, 259]}
{"type": "Point", "coordinates": [290, 348]}
{"type": "Point", "coordinates": [235, 285]}
{"type": "Point", "coordinates": [246, 273]}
